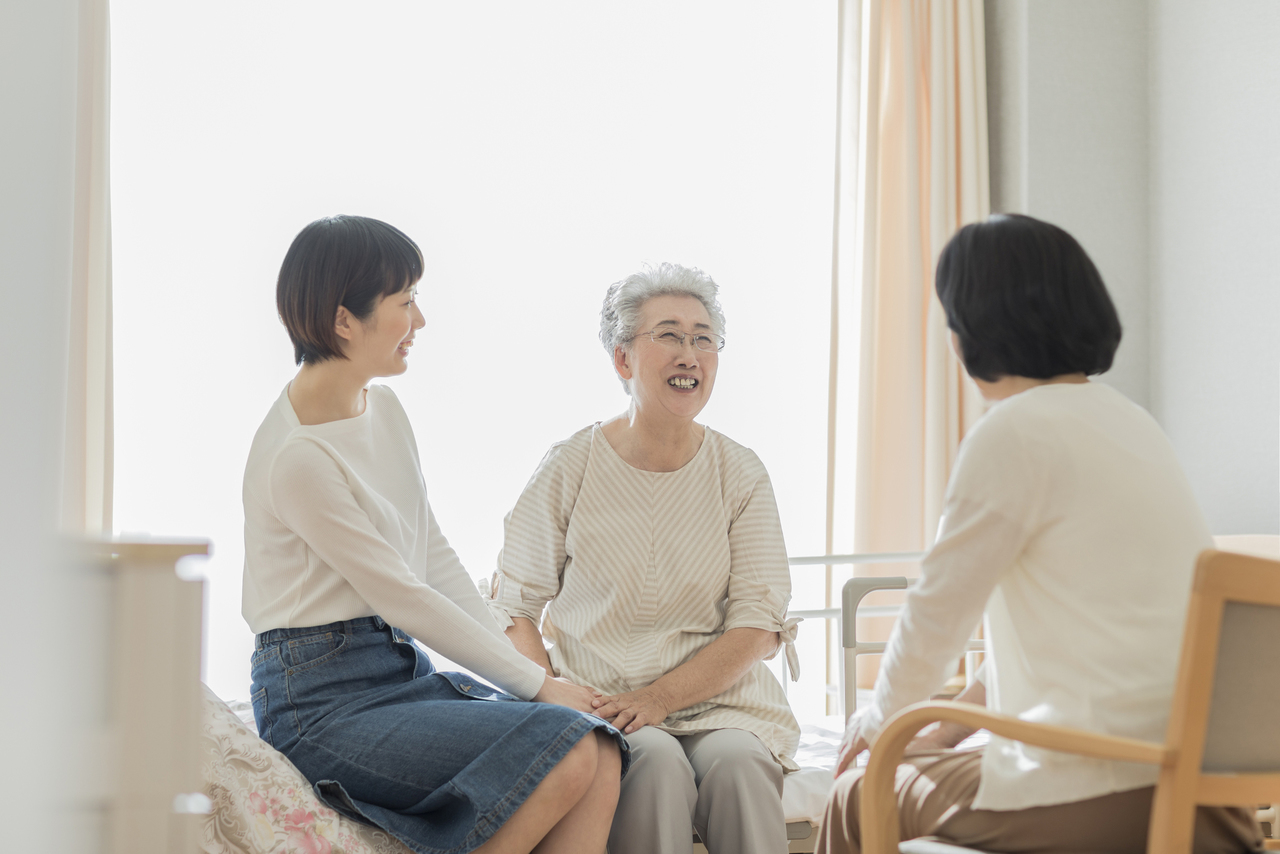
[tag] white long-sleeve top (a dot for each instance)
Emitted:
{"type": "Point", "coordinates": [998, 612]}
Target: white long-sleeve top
{"type": "Point", "coordinates": [337, 526]}
{"type": "Point", "coordinates": [1070, 521]}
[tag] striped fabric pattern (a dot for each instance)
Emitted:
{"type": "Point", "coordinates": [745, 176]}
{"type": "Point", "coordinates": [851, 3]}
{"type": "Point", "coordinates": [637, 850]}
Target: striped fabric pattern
{"type": "Point", "coordinates": [638, 571]}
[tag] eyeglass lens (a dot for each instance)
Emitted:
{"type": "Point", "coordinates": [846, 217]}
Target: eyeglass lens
{"type": "Point", "coordinates": [706, 341]}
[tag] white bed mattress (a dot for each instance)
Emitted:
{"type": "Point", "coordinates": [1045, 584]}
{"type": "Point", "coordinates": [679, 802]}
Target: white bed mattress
{"type": "Point", "coordinates": [804, 792]}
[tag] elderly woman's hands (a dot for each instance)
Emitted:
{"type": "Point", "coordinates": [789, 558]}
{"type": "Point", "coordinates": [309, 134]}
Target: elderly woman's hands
{"type": "Point", "coordinates": [634, 709]}
{"type": "Point", "coordinates": [710, 672]}
{"type": "Point", "coordinates": [562, 692]}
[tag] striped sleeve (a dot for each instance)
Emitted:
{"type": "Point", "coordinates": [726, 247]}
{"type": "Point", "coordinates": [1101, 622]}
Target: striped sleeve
{"type": "Point", "coordinates": [759, 575]}
{"type": "Point", "coordinates": [532, 560]}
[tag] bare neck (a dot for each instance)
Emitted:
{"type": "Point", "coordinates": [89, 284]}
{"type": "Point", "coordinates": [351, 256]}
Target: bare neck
{"type": "Point", "coordinates": [649, 445]}
{"type": "Point", "coordinates": [332, 390]}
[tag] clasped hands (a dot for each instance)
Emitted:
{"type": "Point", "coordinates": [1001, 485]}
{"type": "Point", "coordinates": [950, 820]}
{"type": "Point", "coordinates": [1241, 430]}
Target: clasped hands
{"type": "Point", "coordinates": [627, 712]}
{"type": "Point", "coordinates": [635, 709]}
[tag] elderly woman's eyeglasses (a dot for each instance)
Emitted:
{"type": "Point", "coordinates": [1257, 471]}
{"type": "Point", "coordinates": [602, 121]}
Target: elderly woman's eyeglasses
{"type": "Point", "coordinates": [674, 338]}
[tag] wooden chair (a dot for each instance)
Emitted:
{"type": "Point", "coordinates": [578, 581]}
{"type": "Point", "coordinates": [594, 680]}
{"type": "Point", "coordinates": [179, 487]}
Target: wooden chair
{"type": "Point", "coordinates": [1222, 746]}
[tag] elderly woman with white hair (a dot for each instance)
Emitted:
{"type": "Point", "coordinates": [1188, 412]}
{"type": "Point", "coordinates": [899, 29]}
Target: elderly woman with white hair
{"type": "Point", "coordinates": [653, 545]}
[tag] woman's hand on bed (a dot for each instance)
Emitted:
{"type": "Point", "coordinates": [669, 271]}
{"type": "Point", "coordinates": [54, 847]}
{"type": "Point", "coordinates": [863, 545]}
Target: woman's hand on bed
{"type": "Point", "coordinates": [562, 692]}
{"type": "Point", "coordinates": [633, 710]}
{"type": "Point", "coordinates": [849, 750]}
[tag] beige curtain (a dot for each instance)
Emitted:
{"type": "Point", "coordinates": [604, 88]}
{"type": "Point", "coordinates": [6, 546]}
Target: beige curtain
{"type": "Point", "coordinates": [911, 168]}
{"type": "Point", "coordinates": [923, 158]}
{"type": "Point", "coordinates": [88, 440]}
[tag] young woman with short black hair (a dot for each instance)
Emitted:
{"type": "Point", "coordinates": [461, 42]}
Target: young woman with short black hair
{"type": "Point", "coordinates": [345, 567]}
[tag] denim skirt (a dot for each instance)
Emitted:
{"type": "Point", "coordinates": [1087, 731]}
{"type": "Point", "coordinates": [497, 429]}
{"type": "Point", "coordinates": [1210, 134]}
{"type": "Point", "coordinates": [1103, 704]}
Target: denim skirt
{"type": "Point", "coordinates": [438, 760]}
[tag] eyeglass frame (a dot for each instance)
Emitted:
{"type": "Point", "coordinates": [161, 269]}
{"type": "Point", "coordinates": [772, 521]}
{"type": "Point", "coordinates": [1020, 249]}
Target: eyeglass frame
{"type": "Point", "coordinates": [652, 333]}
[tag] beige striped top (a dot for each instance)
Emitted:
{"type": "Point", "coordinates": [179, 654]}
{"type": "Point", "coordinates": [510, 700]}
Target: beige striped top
{"type": "Point", "coordinates": [644, 569]}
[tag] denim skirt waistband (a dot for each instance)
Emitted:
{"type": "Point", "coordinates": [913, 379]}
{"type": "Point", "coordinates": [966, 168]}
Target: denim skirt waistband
{"type": "Point", "coordinates": [345, 627]}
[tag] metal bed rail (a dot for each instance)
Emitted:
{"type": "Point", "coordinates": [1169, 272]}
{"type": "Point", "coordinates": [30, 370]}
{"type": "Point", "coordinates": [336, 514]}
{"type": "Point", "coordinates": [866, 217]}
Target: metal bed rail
{"type": "Point", "coordinates": [851, 605]}
{"type": "Point", "coordinates": [848, 560]}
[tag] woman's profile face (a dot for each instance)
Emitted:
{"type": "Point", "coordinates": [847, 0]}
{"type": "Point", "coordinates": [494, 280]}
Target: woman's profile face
{"type": "Point", "coordinates": [380, 343]}
{"type": "Point", "coordinates": [668, 375]}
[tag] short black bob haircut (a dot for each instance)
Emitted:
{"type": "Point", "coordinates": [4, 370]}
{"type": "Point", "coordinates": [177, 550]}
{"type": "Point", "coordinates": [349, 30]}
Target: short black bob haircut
{"type": "Point", "coordinates": [350, 261]}
{"type": "Point", "coordinates": [1025, 300]}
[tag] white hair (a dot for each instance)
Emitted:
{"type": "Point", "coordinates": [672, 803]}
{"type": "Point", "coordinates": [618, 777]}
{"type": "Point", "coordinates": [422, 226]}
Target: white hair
{"type": "Point", "coordinates": [620, 315]}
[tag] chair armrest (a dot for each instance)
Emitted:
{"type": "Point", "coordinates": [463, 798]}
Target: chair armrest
{"type": "Point", "coordinates": [879, 804]}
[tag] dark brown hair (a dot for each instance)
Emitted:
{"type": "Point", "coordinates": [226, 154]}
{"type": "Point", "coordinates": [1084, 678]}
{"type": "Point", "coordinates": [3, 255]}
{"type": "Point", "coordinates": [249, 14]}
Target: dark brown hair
{"type": "Point", "coordinates": [1025, 300]}
{"type": "Point", "coordinates": [350, 261]}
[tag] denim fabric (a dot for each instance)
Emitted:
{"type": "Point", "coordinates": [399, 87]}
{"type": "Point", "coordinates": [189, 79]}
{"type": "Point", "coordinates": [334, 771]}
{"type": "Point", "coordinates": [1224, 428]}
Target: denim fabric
{"type": "Point", "coordinates": [438, 760]}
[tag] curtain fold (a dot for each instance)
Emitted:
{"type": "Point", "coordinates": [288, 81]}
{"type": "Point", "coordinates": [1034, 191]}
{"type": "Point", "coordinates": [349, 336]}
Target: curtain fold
{"type": "Point", "coordinates": [922, 174]}
{"type": "Point", "coordinates": [87, 460]}
{"type": "Point", "coordinates": [842, 370]}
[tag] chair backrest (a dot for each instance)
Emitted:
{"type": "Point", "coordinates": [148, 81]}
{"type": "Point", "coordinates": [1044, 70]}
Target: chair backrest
{"type": "Point", "coordinates": [1243, 732]}
{"type": "Point", "coordinates": [1258, 545]}
{"type": "Point", "coordinates": [1223, 727]}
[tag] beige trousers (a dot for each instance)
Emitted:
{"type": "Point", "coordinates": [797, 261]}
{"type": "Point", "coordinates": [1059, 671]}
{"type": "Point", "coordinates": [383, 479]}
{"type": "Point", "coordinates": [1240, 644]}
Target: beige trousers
{"type": "Point", "coordinates": [936, 789]}
{"type": "Point", "coordinates": [724, 783]}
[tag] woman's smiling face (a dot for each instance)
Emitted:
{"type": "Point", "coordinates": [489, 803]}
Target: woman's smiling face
{"type": "Point", "coordinates": [668, 375]}
{"type": "Point", "coordinates": [381, 342]}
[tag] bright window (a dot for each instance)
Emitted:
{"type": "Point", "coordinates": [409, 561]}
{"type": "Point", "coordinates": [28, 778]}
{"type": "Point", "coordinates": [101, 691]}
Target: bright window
{"type": "Point", "coordinates": [537, 152]}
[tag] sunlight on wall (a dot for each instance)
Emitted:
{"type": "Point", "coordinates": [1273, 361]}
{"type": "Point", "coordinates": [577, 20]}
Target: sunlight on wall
{"type": "Point", "coordinates": [536, 152]}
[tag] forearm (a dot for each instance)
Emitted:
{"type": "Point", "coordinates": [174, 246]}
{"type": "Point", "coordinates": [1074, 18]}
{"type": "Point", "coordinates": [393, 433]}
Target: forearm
{"type": "Point", "coordinates": [715, 668]}
{"type": "Point", "coordinates": [526, 638]}
{"type": "Point", "coordinates": [445, 573]}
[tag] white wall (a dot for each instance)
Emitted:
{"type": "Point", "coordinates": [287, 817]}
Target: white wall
{"type": "Point", "coordinates": [42, 696]}
{"type": "Point", "coordinates": [1150, 129]}
{"type": "Point", "coordinates": [1215, 252]}
{"type": "Point", "coordinates": [1068, 93]}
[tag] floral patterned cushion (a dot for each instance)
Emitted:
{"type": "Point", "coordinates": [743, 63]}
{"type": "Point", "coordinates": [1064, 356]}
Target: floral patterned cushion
{"type": "Point", "coordinates": [262, 804]}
